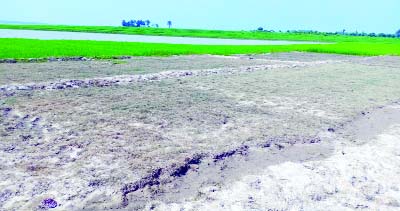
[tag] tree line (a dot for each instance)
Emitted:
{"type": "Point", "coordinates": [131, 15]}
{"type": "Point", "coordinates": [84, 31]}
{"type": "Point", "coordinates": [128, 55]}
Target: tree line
{"type": "Point", "coordinates": [146, 23]}
{"type": "Point", "coordinates": [343, 32]}
{"type": "Point", "coordinates": [142, 23]}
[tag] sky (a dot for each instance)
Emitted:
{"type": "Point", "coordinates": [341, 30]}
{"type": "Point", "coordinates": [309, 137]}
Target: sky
{"type": "Point", "coordinates": [321, 15]}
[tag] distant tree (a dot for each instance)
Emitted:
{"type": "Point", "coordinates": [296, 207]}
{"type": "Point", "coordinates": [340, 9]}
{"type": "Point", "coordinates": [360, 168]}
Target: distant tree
{"type": "Point", "coordinates": [124, 23]}
{"type": "Point", "coordinates": [169, 23]}
{"type": "Point", "coordinates": [140, 23]}
{"type": "Point", "coordinates": [344, 31]}
{"type": "Point", "coordinates": [260, 28]}
{"type": "Point", "coordinates": [132, 23]}
{"type": "Point", "coordinates": [381, 35]}
{"type": "Point", "coordinates": [398, 33]}
{"type": "Point", "coordinates": [147, 23]}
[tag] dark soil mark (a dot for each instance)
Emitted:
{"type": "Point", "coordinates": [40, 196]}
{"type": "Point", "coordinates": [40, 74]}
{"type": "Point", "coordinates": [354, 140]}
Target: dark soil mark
{"type": "Point", "coordinates": [241, 150]}
{"type": "Point", "coordinates": [26, 137]}
{"type": "Point", "coordinates": [6, 111]}
{"type": "Point", "coordinates": [279, 146]}
{"type": "Point", "coordinates": [150, 180]}
{"type": "Point", "coordinates": [59, 59]}
{"type": "Point", "coordinates": [167, 175]}
{"type": "Point", "coordinates": [5, 195]}
{"type": "Point", "coordinates": [27, 127]}
{"type": "Point", "coordinates": [35, 121]}
{"type": "Point", "coordinates": [279, 142]}
{"type": "Point", "coordinates": [154, 178]}
{"type": "Point", "coordinates": [96, 183]}
{"type": "Point", "coordinates": [182, 170]}
{"type": "Point", "coordinates": [49, 204]}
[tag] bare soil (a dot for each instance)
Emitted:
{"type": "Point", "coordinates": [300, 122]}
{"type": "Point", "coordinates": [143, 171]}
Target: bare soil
{"type": "Point", "coordinates": [185, 133]}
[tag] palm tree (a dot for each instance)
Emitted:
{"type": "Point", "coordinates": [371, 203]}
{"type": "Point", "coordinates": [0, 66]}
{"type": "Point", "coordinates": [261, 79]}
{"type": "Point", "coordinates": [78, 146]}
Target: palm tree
{"type": "Point", "coordinates": [169, 24]}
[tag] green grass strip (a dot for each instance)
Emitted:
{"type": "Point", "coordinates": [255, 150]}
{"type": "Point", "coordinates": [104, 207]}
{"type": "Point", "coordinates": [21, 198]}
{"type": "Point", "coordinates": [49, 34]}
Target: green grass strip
{"type": "Point", "coordinates": [32, 48]}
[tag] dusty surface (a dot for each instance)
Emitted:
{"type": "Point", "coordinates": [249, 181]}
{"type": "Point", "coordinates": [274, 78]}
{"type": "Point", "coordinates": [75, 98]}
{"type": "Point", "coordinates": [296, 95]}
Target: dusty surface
{"type": "Point", "coordinates": [343, 173]}
{"type": "Point", "coordinates": [278, 131]}
{"type": "Point", "coordinates": [53, 71]}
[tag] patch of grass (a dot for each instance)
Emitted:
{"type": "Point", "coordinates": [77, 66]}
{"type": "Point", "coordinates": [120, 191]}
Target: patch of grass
{"type": "Point", "coordinates": [31, 48]}
{"type": "Point", "coordinates": [10, 101]}
{"type": "Point", "coordinates": [116, 61]}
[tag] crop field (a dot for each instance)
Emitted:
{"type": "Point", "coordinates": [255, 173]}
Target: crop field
{"type": "Point", "coordinates": [201, 33]}
{"type": "Point", "coordinates": [199, 132]}
{"type": "Point", "coordinates": [22, 49]}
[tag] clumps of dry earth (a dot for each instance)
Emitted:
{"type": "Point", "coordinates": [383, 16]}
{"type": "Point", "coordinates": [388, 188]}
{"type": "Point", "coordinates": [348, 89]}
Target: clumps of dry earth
{"type": "Point", "coordinates": [277, 131]}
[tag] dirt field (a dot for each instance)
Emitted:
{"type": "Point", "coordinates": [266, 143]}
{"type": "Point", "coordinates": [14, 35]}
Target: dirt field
{"type": "Point", "coordinates": [289, 131]}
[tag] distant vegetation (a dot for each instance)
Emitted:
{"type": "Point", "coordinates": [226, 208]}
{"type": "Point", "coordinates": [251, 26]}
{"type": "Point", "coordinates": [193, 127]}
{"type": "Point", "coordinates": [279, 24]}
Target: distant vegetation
{"type": "Point", "coordinates": [136, 23]}
{"type": "Point", "coordinates": [343, 32]}
{"type": "Point", "coordinates": [142, 23]}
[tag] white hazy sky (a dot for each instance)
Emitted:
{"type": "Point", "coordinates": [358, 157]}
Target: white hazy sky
{"type": "Point", "coordinates": [322, 15]}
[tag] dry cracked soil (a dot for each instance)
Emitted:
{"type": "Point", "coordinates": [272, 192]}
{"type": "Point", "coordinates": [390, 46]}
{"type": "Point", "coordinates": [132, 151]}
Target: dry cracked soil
{"type": "Point", "coordinates": [285, 131]}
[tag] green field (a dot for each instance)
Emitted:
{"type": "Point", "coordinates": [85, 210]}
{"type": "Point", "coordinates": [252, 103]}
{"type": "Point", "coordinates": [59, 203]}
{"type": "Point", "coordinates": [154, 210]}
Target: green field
{"type": "Point", "coordinates": [30, 48]}
{"type": "Point", "coordinates": [202, 33]}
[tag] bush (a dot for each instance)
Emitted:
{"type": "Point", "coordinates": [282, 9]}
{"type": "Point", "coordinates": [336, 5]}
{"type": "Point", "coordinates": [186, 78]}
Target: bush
{"type": "Point", "coordinates": [136, 23]}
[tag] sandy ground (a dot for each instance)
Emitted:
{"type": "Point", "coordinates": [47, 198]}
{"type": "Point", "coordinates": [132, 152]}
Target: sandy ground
{"type": "Point", "coordinates": [360, 173]}
{"type": "Point", "coordinates": [287, 131]}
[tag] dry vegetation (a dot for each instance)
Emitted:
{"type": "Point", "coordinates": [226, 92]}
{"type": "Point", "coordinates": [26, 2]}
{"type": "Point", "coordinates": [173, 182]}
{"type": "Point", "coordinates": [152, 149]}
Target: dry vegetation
{"type": "Point", "coordinates": [122, 146]}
